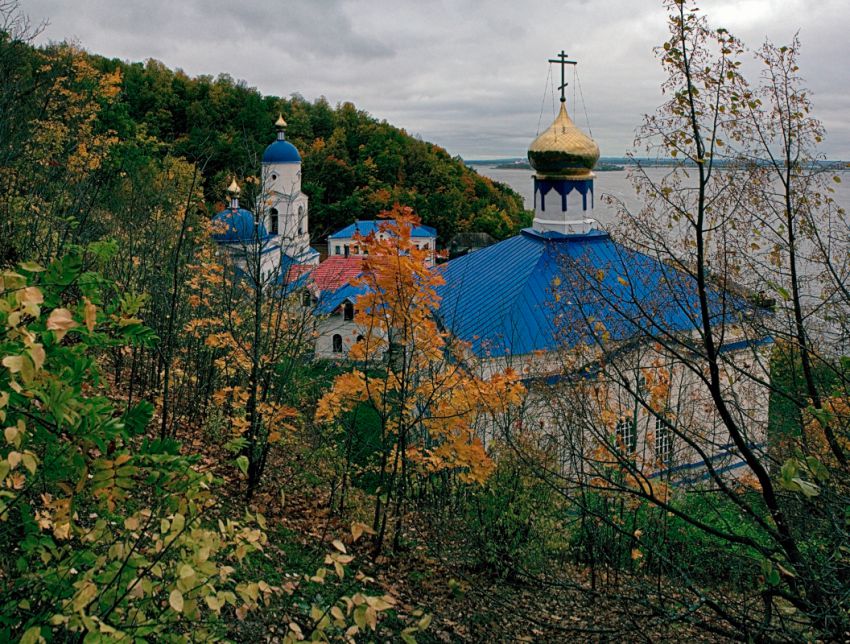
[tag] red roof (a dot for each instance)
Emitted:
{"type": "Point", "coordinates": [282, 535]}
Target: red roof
{"type": "Point", "coordinates": [295, 271]}
{"type": "Point", "coordinates": [336, 271]}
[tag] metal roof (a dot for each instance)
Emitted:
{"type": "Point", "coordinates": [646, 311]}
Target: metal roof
{"type": "Point", "coordinates": [365, 227]}
{"type": "Point", "coordinates": [330, 301]}
{"type": "Point", "coordinates": [281, 151]}
{"type": "Point", "coordinates": [541, 291]}
{"type": "Point", "coordinates": [240, 227]}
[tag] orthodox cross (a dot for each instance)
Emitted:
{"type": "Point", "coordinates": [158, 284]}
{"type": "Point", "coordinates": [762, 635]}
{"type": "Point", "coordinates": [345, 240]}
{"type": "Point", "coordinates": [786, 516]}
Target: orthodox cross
{"type": "Point", "coordinates": [563, 62]}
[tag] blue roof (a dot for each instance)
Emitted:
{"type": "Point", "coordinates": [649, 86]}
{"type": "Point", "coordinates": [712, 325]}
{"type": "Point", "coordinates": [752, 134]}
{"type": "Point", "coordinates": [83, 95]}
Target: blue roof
{"type": "Point", "coordinates": [281, 151]}
{"type": "Point", "coordinates": [330, 301]}
{"type": "Point", "coordinates": [540, 291]}
{"type": "Point", "coordinates": [240, 227]}
{"type": "Point", "coordinates": [367, 226]}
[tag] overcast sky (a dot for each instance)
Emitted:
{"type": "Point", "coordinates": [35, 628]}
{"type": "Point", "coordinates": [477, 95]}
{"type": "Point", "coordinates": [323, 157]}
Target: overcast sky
{"type": "Point", "coordinates": [468, 75]}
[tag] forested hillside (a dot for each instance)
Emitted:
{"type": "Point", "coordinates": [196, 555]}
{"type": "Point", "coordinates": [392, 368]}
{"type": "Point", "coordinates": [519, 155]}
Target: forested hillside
{"type": "Point", "coordinates": [178, 463]}
{"type": "Point", "coordinates": [144, 114]}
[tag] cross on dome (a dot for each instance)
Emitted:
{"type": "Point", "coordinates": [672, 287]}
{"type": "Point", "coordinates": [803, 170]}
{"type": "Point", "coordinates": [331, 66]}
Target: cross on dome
{"type": "Point", "coordinates": [563, 62]}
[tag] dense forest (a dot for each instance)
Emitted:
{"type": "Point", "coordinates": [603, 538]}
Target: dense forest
{"type": "Point", "coordinates": [177, 465]}
{"type": "Point", "coordinates": [136, 118]}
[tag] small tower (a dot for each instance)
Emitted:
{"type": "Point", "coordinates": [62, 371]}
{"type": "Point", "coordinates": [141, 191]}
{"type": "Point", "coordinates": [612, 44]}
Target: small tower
{"type": "Point", "coordinates": [563, 158]}
{"type": "Point", "coordinates": [285, 204]}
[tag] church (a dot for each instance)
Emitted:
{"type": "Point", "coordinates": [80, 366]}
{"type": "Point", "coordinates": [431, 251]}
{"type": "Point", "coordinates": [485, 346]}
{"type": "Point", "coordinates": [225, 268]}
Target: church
{"type": "Point", "coordinates": [601, 333]}
{"type": "Point", "coordinates": [572, 309]}
{"type": "Point", "coordinates": [277, 236]}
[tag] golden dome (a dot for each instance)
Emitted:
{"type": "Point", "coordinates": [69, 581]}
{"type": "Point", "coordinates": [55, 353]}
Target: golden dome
{"type": "Point", "coordinates": [563, 150]}
{"type": "Point", "coordinates": [280, 123]}
{"type": "Point", "coordinates": [233, 189]}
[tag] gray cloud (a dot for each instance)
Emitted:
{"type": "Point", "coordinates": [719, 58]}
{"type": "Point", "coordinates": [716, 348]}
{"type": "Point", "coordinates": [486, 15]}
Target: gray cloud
{"type": "Point", "coordinates": [468, 75]}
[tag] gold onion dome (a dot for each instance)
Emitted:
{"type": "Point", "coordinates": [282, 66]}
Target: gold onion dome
{"type": "Point", "coordinates": [280, 123]}
{"type": "Point", "coordinates": [233, 189]}
{"type": "Point", "coordinates": [563, 150]}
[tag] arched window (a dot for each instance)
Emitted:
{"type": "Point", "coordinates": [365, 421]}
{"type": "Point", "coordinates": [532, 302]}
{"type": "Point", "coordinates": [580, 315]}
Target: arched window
{"type": "Point", "coordinates": [337, 343]}
{"type": "Point", "coordinates": [274, 177]}
{"type": "Point", "coordinates": [306, 300]}
{"type": "Point", "coordinates": [360, 338]}
{"type": "Point", "coordinates": [274, 221]}
{"type": "Point", "coordinates": [300, 220]}
{"type": "Point", "coordinates": [348, 311]}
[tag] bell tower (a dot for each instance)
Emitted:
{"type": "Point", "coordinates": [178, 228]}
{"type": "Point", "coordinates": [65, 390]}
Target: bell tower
{"type": "Point", "coordinates": [286, 206]}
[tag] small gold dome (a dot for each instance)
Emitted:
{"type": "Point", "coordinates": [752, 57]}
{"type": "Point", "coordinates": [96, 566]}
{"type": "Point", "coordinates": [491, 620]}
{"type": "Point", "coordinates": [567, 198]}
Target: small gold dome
{"type": "Point", "coordinates": [280, 123]}
{"type": "Point", "coordinates": [563, 150]}
{"type": "Point", "coordinates": [233, 189]}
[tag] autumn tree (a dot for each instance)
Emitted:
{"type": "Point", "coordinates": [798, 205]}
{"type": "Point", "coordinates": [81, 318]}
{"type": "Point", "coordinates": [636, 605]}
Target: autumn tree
{"type": "Point", "coordinates": [256, 331]}
{"type": "Point", "coordinates": [103, 533]}
{"type": "Point", "coordinates": [665, 429]}
{"type": "Point", "coordinates": [432, 410]}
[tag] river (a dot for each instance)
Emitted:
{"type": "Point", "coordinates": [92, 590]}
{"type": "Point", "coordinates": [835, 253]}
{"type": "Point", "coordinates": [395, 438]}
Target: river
{"type": "Point", "coordinates": [615, 183]}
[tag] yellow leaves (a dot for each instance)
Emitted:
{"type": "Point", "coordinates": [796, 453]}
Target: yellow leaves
{"type": "Point", "coordinates": [14, 434]}
{"type": "Point", "coordinates": [90, 314]}
{"type": "Point", "coordinates": [60, 322]}
{"type": "Point", "coordinates": [357, 530]}
{"type": "Point", "coordinates": [29, 299]}
{"type": "Point", "coordinates": [13, 363]}
{"type": "Point", "coordinates": [86, 592]}
{"type": "Point", "coordinates": [37, 355]}
{"type": "Point", "coordinates": [33, 636]}
{"type": "Point", "coordinates": [25, 364]}
{"type": "Point", "coordinates": [30, 462]}
{"type": "Point", "coordinates": [175, 600]}
{"type": "Point", "coordinates": [348, 389]}
{"type": "Point", "coordinates": [338, 561]}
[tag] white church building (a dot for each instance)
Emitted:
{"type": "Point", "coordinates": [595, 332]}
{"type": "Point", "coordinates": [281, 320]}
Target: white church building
{"type": "Point", "coordinates": [277, 232]}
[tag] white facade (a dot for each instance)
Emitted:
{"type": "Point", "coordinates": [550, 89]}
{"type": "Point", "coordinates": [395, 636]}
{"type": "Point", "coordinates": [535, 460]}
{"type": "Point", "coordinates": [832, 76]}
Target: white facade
{"type": "Point", "coordinates": [349, 246]}
{"type": "Point", "coordinates": [336, 333]}
{"type": "Point", "coordinates": [666, 432]}
{"type": "Point", "coordinates": [286, 208]}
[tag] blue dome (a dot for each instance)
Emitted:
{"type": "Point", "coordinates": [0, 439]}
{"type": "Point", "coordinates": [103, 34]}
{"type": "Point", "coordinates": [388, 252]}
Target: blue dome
{"type": "Point", "coordinates": [240, 227]}
{"type": "Point", "coordinates": [281, 151]}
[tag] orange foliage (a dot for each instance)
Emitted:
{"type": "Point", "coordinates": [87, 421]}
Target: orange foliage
{"type": "Point", "coordinates": [424, 391]}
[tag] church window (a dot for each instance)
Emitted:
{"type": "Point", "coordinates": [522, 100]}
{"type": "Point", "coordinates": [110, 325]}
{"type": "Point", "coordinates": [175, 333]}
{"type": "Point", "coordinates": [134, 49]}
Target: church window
{"type": "Point", "coordinates": [306, 300]}
{"type": "Point", "coordinates": [300, 220]}
{"type": "Point", "coordinates": [337, 343]}
{"type": "Point", "coordinates": [627, 434]}
{"type": "Point", "coordinates": [348, 311]}
{"type": "Point", "coordinates": [275, 225]}
{"type": "Point", "coordinates": [274, 177]}
{"type": "Point", "coordinates": [337, 250]}
{"type": "Point", "coordinates": [347, 250]}
{"type": "Point", "coordinates": [663, 442]}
